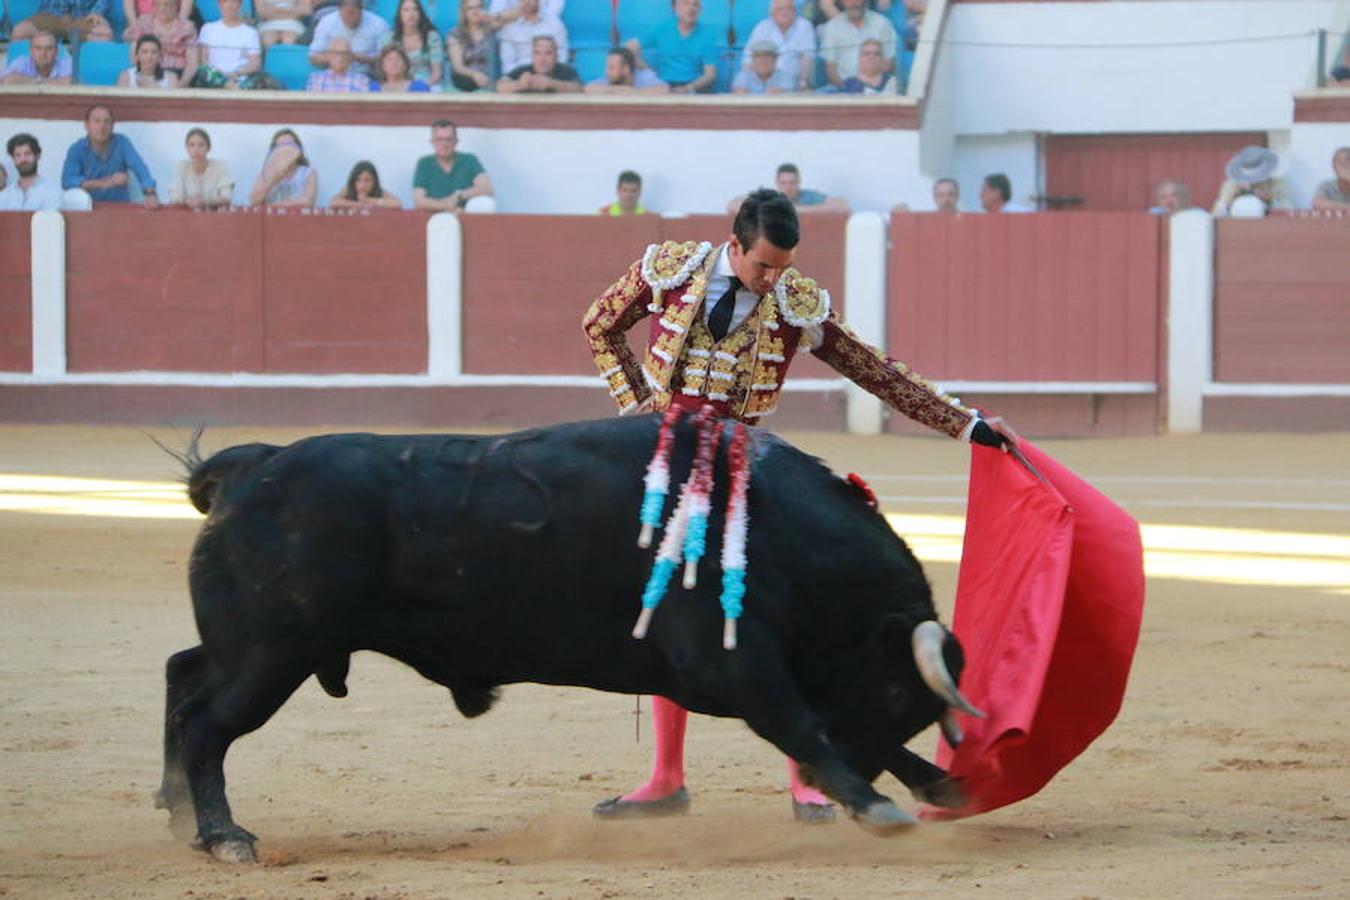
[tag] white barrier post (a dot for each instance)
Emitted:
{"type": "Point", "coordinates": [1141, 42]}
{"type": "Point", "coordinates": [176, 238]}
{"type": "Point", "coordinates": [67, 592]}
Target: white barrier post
{"type": "Point", "coordinates": [445, 296]}
{"type": "Point", "coordinates": [47, 244]}
{"type": "Point", "coordinates": [1190, 335]}
{"type": "Point", "coordinates": [865, 296]}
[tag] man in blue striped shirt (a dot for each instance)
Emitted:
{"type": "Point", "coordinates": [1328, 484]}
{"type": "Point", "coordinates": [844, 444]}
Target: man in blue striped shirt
{"type": "Point", "coordinates": [101, 161]}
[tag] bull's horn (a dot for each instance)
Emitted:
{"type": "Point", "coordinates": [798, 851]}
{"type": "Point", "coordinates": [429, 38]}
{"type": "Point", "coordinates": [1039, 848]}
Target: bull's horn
{"type": "Point", "coordinates": [928, 639]}
{"type": "Point", "coordinates": [951, 729]}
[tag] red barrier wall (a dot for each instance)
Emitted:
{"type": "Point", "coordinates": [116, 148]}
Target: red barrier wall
{"type": "Point", "coordinates": [16, 279]}
{"type": "Point", "coordinates": [529, 279]}
{"type": "Point", "coordinates": [1282, 300]}
{"type": "Point", "coordinates": [175, 290]}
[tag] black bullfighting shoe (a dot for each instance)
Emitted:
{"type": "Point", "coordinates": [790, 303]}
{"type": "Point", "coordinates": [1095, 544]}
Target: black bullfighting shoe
{"type": "Point", "coordinates": [813, 813]}
{"type": "Point", "coordinates": [676, 804]}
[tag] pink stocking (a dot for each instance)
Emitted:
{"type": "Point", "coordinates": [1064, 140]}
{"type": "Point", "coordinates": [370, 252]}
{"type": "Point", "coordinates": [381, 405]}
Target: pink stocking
{"type": "Point", "coordinates": [800, 792]}
{"type": "Point", "coordinates": [668, 721]}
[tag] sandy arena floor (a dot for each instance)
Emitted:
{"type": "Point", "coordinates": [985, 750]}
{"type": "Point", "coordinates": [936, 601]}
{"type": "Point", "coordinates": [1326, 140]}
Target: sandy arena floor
{"type": "Point", "coordinates": [1227, 774]}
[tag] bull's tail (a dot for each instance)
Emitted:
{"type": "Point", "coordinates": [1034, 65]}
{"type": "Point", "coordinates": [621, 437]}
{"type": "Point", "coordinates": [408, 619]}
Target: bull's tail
{"type": "Point", "coordinates": [207, 477]}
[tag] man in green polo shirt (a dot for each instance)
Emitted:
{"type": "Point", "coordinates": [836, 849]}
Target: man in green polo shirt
{"type": "Point", "coordinates": [446, 179]}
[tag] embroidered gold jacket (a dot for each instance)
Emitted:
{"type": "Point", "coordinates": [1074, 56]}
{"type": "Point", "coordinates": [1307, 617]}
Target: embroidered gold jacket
{"type": "Point", "coordinates": [744, 370]}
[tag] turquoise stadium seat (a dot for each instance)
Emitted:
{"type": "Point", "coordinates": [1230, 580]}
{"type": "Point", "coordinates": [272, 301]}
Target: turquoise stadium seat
{"type": "Point", "coordinates": [18, 10]}
{"type": "Point", "coordinates": [445, 16]}
{"type": "Point", "coordinates": [289, 64]}
{"type": "Point", "coordinates": [102, 61]}
{"type": "Point", "coordinates": [589, 31]}
{"type": "Point", "coordinates": [386, 9]}
{"type": "Point", "coordinates": [637, 17]}
{"type": "Point", "coordinates": [746, 16]}
{"type": "Point", "coordinates": [17, 50]}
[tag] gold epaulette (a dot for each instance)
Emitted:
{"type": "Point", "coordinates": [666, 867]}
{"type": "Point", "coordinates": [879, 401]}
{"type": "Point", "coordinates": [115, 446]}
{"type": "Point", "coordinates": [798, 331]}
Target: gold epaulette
{"type": "Point", "coordinates": [668, 265]}
{"type": "Point", "coordinates": [801, 301]}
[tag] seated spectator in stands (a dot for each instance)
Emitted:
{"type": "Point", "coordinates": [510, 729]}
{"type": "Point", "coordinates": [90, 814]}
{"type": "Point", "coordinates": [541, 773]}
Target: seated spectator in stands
{"type": "Point", "coordinates": [914, 13]}
{"type": "Point", "coordinates": [200, 182]}
{"type": "Point", "coordinates": [66, 19]}
{"type": "Point", "coordinates": [147, 70]}
{"type": "Point", "coordinates": [831, 8]}
{"type": "Point", "coordinates": [391, 73]}
{"type": "Point", "coordinates": [629, 202]}
{"type": "Point", "coordinates": [42, 65]}
{"type": "Point", "coordinates": [544, 74]}
{"type": "Point", "coordinates": [363, 190]}
{"type": "Point", "coordinates": [763, 76]}
{"type": "Point", "coordinates": [842, 37]}
{"type": "Point", "coordinates": [872, 77]}
{"type": "Point", "coordinates": [788, 180]}
{"type": "Point", "coordinates": [947, 195]}
{"type": "Point", "coordinates": [364, 32]}
{"type": "Point", "coordinates": [515, 40]}
{"type": "Point", "coordinates": [281, 21]}
{"type": "Point", "coordinates": [1340, 69]}
{"type": "Point", "coordinates": [996, 195]}
{"type": "Point", "coordinates": [684, 52]}
{"type": "Point", "coordinates": [421, 42]}
{"type": "Point", "coordinates": [471, 48]}
{"type": "Point", "coordinates": [1334, 193]}
{"type": "Point", "coordinates": [447, 179]}
{"type": "Point", "coordinates": [1170, 197]}
{"type": "Point", "coordinates": [622, 76]}
{"type": "Point", "coordinates": [286, 178]}
{"type": "Point", "coordinates": [506, 11]}
{"type": "Point", "coordinates": [29, 192]}
{"type": "Point", "coordinates": [232, 50]}
{"type": "Point", "coordinates": [793, 36]}
{"type": "Point", "coordinates": [134, 9]}
{"type": "Point", "coordinates": [102, 162]}
{"type": "Point", "coordinates": [177, 38]}
{"type": "Point", "coordinates": [1251, 173]}
{"type": "Point", "coordinates": [338, 77]}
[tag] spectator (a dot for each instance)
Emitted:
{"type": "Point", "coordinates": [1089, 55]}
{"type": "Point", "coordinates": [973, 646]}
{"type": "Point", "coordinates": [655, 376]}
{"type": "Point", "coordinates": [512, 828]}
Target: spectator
{"type": "Point", "coordinates": [420, 41]}
{"type": "Point", "coordinates": [147, 70]}
{"type": "Point", "coordinates": [42, 65]}
{"type": "Point", "coordinates": [29, 192]}
{"type": "Point", "coordinates": [788, 181]}
{"type": "Point", "coordinates": [392, 75]}
{"type": "Point", "coordinates": [842, 37]}
{"type": "Point", "coordinates": [1170, 197]}
{"type": "Point", "coordinates": [363, 190]}
{"type": "Point", "coordinates": [101, 163]}
{"type": "Point", "coordinates": [134, 9]}
{"type": "Point", "coordinates": [505, 11]}
{"type": "Point", "coordinates": [544, 74]}
{"type": "Point", "coordinates": [364, 31]}
{"type": "Point", "coordinates": [515, 40]}
{"type": "Point", "coordinates": [763, 76]}
{"type": "Point", "coordinates": [233, 50]}
{"type": "Point", "coordinates": [339, 76]}
{"type": "Point", "coordinates": [914, 13]}
{"type": "Point", "coordinates": [629, 202]}
{"type": "Point", "coordinates": [282, 21]}
{"type": "Point", "coordinates": [286, 178]}
{"type": "Point", "coordinates": [872, 77]}
{"type": "Point", "coordinates": [947, 195]}
{"type": "Point", "coordinates": [622, 76]}
{"type": "Point", "coordinates": [1251, 172]}
{"type": "Point", "coordinates": [471, 48]}
{"type": "Point", "coordinates": [1340, 68]}
{"type": "Point", "coordinates": [177, 38]}
{"type": "Point", "coordinates": [448, 179]}
{"type": "Point", "coordinates": [685, 52]}
{"type": "Point", "coordinates": [793, 36]}
{"type": "Point", "coordinates": [996, 195]}
{"type": "Point", "coordinates": [831, 8]}
{"type": "Point", "coordinates": [66, 20]}
{"type": "Point", "coordinates": [1334, 193]}
{"type": "Point", "coordinates": [200, 182]}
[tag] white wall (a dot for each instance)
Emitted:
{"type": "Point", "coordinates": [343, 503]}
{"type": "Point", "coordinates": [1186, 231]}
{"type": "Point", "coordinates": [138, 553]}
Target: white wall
{"type": "Point", "coordinates": [551, 171]}
{"type": "Point", "coordinates": [1197, 65]}
{"type": "Point", "coordinates": [1014, 155]}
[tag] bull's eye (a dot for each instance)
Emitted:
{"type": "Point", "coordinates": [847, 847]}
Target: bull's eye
{"type": "Point", "coordinates": [897, 698]}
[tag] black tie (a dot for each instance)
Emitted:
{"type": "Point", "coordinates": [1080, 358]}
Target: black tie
{"type": "Point", "coordinates": [719, 320]}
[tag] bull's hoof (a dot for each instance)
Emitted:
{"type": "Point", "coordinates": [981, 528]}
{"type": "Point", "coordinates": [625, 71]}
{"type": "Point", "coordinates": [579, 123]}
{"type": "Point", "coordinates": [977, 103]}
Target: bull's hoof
{"type": "Point", "coordinates": [676, 804]}
{"type": "Point", "coordinates": [946, 793]}
{"type": "Point", "coordinates": [234, 851]}
{"type": "Point", "coordinates": [884, 818]}
{"type": "Point", "coordinates": [813, 813]}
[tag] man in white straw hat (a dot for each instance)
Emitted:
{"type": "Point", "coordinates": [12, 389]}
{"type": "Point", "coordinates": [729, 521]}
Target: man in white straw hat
{"type": "Point", "coordinates": [1251, 173]}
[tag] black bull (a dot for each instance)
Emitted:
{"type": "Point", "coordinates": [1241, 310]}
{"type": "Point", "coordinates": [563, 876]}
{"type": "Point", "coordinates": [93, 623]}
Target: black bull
{"type": "Point", "coordinates": [483, 561]}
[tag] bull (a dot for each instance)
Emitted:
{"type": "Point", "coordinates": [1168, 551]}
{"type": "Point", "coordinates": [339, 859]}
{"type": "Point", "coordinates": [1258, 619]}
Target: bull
{"type": "Point", "coordinates": [485, 561]}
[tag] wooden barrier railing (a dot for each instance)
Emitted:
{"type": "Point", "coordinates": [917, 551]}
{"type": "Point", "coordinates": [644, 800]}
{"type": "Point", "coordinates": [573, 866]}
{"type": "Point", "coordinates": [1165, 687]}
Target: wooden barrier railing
{"type": "Point", "coordinates": [16, 282]}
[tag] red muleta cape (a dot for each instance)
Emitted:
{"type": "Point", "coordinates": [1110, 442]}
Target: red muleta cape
{"type": "Point", "coordinates": [1048, 605]}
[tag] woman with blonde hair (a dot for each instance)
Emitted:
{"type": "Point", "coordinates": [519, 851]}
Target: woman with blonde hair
{"type": "Point", "coordinates": [472, 47]}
